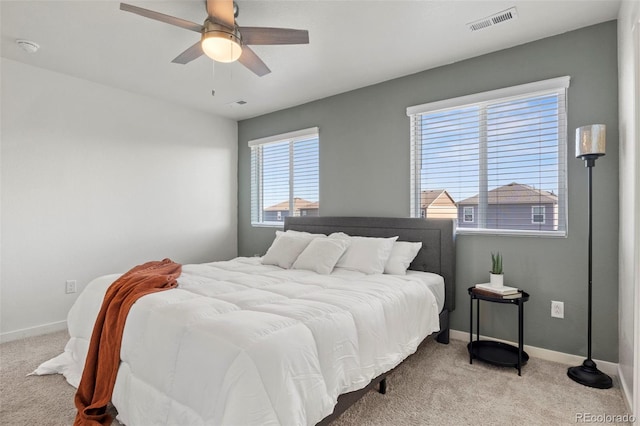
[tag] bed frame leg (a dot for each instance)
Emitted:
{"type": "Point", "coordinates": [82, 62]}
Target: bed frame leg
{"type": "Point", "coordinates": [383, 386]}
{"type": "Point", "coordinates": [443, 336]}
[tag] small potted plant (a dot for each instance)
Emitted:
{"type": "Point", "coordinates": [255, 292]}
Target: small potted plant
{"type": "Point", "coordinates": [496, 278]}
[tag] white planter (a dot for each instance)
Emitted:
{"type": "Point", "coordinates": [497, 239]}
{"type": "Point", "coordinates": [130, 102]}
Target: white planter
{"type": "Point", "coordinates": [496, 280]}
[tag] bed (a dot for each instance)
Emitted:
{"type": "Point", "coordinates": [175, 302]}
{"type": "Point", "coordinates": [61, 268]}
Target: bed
{"type": "Point", "coordinates": [239, 342]}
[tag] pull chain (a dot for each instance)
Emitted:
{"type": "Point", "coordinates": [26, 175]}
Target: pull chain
{"type": "Point", "coordinates": [213, 77]}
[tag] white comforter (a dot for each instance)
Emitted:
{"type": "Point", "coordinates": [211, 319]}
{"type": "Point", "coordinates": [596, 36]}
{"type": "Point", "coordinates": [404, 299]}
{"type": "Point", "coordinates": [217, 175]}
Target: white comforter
{"type": "Point", "coordinates": [241, 343]}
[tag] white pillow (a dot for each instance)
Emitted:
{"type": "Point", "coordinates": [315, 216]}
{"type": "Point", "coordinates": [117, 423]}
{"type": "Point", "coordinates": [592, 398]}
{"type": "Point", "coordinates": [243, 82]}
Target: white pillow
{"type": "Point", "coordinates": [402, 254]}
{"type": "Point", "coordinates": [365, 254]}
{"type": "Point", "coordinates": [285, 250]}
{"type": "Point", "coordinates": [321, 255]}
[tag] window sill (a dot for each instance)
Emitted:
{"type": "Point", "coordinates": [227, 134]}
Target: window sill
{"type": "Point", "coordinates": [268, 224]}
{"type": "Point", "coordinates": [511, 233]}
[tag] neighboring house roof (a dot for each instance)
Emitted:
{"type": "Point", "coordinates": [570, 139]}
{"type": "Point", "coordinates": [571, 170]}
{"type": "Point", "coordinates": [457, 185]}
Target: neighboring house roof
{"type": "Point", "coordinates": [311, 206]}
{"type": "Point", "coordinates": [298, 203]}
{"type": "Point", "coordinates": [516, 193]}
{"type": "Point", "coordinates": [428, 197]}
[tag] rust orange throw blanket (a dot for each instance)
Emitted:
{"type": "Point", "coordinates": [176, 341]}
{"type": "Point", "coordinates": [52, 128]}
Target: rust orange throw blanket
{"type": "Point", "coordinates": [103, 357]}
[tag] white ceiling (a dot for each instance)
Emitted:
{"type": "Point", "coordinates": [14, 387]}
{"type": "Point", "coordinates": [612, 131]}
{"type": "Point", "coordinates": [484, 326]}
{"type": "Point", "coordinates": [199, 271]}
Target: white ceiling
{"type": "Point", "coordinates": [352, 44]}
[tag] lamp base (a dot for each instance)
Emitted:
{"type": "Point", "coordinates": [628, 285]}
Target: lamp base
{"type": "Point", "coordinates": [588, 374]}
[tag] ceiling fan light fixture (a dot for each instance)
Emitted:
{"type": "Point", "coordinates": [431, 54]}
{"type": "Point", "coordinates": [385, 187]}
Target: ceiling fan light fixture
{"type": "Point", "coordinates": [220, 43]}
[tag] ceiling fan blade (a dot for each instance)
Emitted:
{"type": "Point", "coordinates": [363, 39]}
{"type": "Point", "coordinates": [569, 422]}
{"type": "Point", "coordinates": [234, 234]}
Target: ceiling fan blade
{"type": "Point", "coordinates": [182, 23]}
{"type": "Point", "coordinates": [263, 35]}
{"type": "Point", "coordinates": [249, 59]}
{"type": "Point", "coordinates": [221, 11]}
{"type": "Point", "coordinates": [190, 54]}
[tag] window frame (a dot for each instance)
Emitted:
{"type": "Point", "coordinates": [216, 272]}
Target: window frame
{"type": "Point", "coordinates": [543, 214]}
{"type": "Point", "coordinates": [464, 214]}
{"type": "Point", "coordinates": [558, 85]}
{"type": "Point", "coordinates": [256, 176]}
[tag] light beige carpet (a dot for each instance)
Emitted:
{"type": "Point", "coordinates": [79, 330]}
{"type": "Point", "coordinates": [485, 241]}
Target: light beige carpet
{"type": "Point", "coordinates": [436, 386]}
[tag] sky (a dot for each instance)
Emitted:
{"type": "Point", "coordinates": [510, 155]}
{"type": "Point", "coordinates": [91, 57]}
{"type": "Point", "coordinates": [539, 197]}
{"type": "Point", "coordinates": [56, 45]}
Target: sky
{"type": "Point", "coordinates": [276, 171]}
{"type": "Point", "coordinates": [518, 140]}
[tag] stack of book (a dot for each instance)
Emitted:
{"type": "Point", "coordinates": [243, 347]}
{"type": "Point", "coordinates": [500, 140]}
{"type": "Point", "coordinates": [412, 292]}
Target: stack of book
{"type": "Point", "coordinates": [504, 292]}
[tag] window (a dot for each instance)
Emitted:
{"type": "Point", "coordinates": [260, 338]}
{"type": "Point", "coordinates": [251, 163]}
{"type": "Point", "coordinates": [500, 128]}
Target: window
{"type": "Point", "coordinates": [284, 177]}
{"type": "Point", "coordinates": [537, 214]}
{"type": "Point", "coordinates": [500, 155]}
{"type": "Point", "coordinates": [468, 214]}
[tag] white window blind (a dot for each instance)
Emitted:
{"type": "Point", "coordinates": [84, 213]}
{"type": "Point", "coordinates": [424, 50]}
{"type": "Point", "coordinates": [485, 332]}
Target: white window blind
{"type": "Point", "coordinates": [500, 156]}
{"type": "Point", "coordinates": [284, 177]}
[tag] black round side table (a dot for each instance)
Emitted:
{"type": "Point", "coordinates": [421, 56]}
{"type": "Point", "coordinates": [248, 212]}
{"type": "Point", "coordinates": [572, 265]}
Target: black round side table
{"type": "Point", "coordinates": [497, 353]}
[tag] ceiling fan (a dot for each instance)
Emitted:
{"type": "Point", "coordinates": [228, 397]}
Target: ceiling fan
{"type": "Point", "coordinates": [222, 39]}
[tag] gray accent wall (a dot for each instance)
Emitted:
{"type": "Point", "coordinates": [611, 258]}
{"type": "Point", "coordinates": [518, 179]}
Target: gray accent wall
{"type": "Point", "coordinates": [364, 171]}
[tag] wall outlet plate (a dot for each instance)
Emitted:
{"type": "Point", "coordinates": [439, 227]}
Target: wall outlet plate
{"type": "Point", "coordinates": [557, 309]}
{"type": "Point", "coordinates": [70, 286]}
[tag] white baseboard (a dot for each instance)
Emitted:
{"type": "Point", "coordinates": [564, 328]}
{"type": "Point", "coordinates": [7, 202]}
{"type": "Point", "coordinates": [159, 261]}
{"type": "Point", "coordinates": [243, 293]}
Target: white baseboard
{"type": "Point", "coordinates": [610, 368]}
{"type": "Point", "coordinates": [33, 331]}
{"type": "Point", "coordinates": [626, 391]}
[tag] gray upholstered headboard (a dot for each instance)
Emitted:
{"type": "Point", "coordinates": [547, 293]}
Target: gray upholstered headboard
{"type": "Point", "coordinates": [438, 253]}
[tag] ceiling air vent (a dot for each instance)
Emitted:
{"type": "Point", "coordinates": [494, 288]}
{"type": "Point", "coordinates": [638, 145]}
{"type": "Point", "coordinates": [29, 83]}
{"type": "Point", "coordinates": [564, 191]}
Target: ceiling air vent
{"type": "Point", "coordinates": [497, 18]}
{"type": "Point", "coordinates": [236, 103]}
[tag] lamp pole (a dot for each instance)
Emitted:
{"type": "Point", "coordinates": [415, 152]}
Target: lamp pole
{"type": "Point", "coordinates": [590, 163]}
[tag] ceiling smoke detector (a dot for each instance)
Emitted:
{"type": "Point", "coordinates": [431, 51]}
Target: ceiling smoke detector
{"type": "Point", "coordinates": [28, 46]}
{"type": "Point", "coordinates": [497, 18]}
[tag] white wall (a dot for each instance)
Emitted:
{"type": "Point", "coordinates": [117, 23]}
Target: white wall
{"type": "Point", "coordinates": [96, 180]}
{"type": "Point", "coordinates": [629, 242]}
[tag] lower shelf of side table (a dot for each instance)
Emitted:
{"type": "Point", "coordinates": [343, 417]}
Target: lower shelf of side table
{"type": "Point", "coordinates": [496, 353]}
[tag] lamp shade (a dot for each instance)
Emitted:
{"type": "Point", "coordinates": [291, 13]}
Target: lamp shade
{"type": "Point", "coordinates": [221, 43]}
{"type": "Point", "coordinates": [591, 140]}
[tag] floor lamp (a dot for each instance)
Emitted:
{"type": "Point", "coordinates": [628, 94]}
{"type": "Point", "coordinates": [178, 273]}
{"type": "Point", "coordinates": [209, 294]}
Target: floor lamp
{"type": "Point", "coordinates": [590, 144]}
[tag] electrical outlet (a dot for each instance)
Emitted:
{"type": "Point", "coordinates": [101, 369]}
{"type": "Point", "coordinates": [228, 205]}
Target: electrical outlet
{"type": "Point", "coordinates": [70, 286]}
{"type": "Point", "coordinates": [557, 309]}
